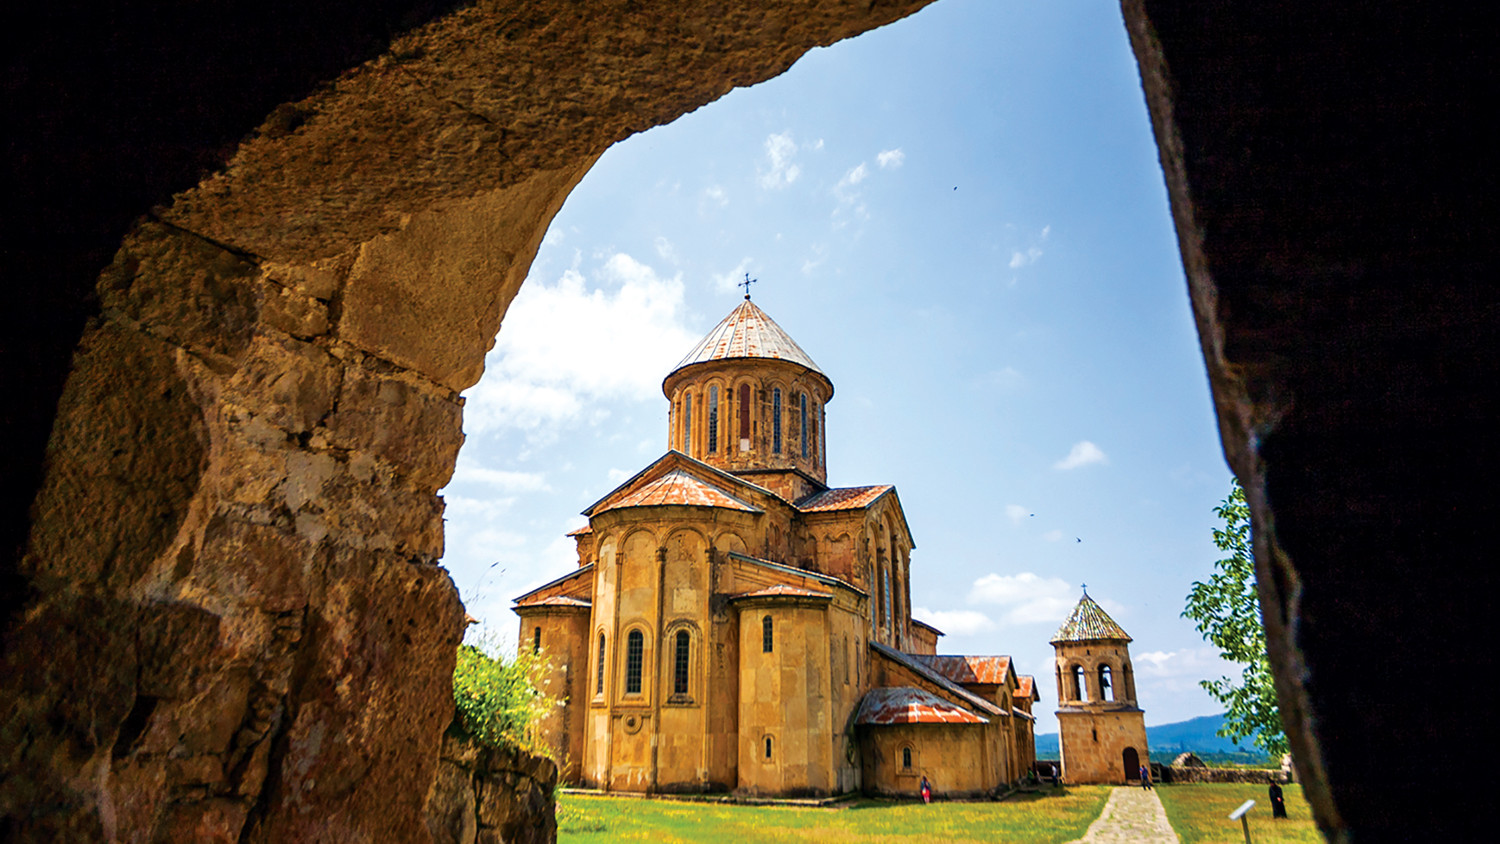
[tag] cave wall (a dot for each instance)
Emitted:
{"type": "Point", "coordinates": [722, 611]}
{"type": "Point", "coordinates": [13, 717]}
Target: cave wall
{"type": "Point", "coordinates": [227, 419]}
{"type": "Point", "coordinates": [225, 620]}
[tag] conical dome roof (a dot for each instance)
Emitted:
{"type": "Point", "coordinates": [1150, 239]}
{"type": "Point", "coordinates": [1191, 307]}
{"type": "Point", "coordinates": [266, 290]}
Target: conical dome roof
{"type": "Point", "coordinates": [747, 333]}
{"type": "Point", "coordinates": [1088, 622]}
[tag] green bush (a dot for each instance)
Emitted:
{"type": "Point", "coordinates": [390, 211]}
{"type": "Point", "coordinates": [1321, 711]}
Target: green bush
{"type": "Point", "coordinates": [495, 697]}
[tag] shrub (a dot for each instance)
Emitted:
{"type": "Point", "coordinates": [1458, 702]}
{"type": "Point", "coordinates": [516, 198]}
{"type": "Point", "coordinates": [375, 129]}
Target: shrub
{"type": "Point", "coordinates": [495, 697]}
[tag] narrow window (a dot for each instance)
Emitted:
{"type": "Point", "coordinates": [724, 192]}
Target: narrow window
{"type": "Point", "coordinates": [1105, 692]}
{"type": "Point", "coordinates": [536, 640]}
{"type": "Point", "coordinates": [635, 647]}
{"type": "Point", "coordinates": [713, 419]}
{"type": "Point", "coordinates": [744, 411]}
{"type": "Point", "coordinates": [813, 432]}
{"type": "Point", "coordinates": [768, 748]}
{"type": "Point", "coordinates": [599, 680]}
{"type": "Point", "coordinates": [906, 758]}
{"type": "Point", "coordinates": [802, 400]}
{"type": "Point", "coordinates": [776, 421]}
{"type": "Point", "coordinates": [765, 635]}
{"type": "Point", "coordinates": [1080, 688]}
{"type": "Point", "coordinates": [680, 663]}
{"type": "Point", "coordinates": [888, 623]}
{"type": "Point", "coordinates": [687, 424]}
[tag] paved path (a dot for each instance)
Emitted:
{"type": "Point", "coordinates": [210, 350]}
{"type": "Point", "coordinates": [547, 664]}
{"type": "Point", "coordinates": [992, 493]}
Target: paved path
{"type": "Point", "coordinates": [1132, 815]}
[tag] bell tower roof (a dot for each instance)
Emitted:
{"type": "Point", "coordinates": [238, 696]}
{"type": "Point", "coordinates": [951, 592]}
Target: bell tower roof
{"type": "Point", "coordinates": [748, 333]}
{"type": "Point", "coordinates": [1089, 622]}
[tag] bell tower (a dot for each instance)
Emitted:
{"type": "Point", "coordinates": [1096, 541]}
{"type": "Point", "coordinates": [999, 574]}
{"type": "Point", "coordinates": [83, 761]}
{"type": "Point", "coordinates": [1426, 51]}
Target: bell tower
{"type": "Point", "coordinates": [747, 399]}
{"type": "Point", "coordinates": [1102, 728]}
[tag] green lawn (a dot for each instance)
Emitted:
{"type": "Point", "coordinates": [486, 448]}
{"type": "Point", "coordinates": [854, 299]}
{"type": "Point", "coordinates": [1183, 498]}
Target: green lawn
{"type": "Point", "coordinates": [1199, 813]}
{"type": "Point", "coordinates": [1048, 817]}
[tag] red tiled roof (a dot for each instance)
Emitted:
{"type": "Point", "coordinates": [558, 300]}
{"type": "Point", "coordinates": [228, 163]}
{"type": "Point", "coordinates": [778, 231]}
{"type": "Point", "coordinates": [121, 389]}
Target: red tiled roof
{"type": "Point", "coordinates": [1026, 687]}
{"type": "Point", "coordinates": [748, 333]}
{"type": "Point", "coordinates": [920, 668]}
{"type": "Point", "coordinates": [1088, 622]}
{"type": "Point", "coordinates": [907, 705]}
{"type": "Point", "coordinates": [844, 498]}
{"type": "Point", "coordinates": [677, 487]}
{"type": "Point", "coordinates": [586, 529]}
{"type": "Point", "coordinates": [783, 590]}
{"type": "Point", "coordinates": [968, 669]}
{"type": "Point", "coordinates": [554, 601]}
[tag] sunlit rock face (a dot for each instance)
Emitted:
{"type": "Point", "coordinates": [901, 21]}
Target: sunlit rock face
{"type": "Point", "coordinates": [228, 621]}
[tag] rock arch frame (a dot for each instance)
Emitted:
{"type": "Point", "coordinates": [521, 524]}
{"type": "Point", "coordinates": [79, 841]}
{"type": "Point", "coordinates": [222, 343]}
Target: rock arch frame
{"type": "Point", "coordinates": [219, 496]}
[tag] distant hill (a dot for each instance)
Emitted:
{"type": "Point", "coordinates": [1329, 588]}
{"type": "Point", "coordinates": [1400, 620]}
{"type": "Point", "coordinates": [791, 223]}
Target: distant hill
{"type": "Point", "coordinates": [1167, 740]}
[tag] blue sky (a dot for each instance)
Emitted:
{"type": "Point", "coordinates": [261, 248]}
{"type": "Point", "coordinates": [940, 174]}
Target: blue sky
{"type": "Point", "coordinates": [962, 219]}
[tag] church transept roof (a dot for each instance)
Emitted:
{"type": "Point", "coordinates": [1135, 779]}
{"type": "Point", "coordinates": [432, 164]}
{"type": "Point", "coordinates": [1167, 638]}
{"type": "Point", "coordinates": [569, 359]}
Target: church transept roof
{"type": "Point", "coordinates": [908, 705]}
{"type": "Point", "coordinates": [844, 498]}
{"type": "Point", "coordinates": [748, 333]}
{"type": "Point", "coordinates": [676, 487]}
{"type": "Point", "coordinates": [968, 669]}
{"type": "Point", "coordinates": [1088, 622]}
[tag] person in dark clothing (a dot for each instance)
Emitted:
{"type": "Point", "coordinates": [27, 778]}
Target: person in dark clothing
{"type": "Point", "coordinates": [1278, 801]}
{"type": "Point", "coordinates": [1145, 776]}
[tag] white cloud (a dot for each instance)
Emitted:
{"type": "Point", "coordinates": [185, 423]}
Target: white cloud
{"type": "Point", "coordinates": [1052, 535]}
{"type": "Point", "coordinates": [855, 175]}
{"type": "Point", "coordinates": [954, 622]}
{"type": "Point", "coordinates": [1027, 597]}
{"type": "Point", "coordinates": [890, 158]}
{"type": "Point", "coordinates": [665, 250]}
{"type": "Point", "coordinates": [780, 150]}
{"type": "Point", "coordinates": [730, 280]}
{"type": "Point", "coordinates": [1016, 513]}
{"type": "Point", "coordinates": [1179, 671]}
{"type": "Point", "coordinates": [467, 472]}
{"type": "Point", "coordinates": [1082, 454]}
{"type": "Point", "coordinates": [1021, 259]}
{"type": "Point", "coordinates": [617, 476]}
{"type": "Point", "coordinates": [715, 195]}
{"type": "Point", "coordinates": [567, 345]}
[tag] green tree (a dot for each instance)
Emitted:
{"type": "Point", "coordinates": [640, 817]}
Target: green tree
{"type": "Point", "coordinates": [1226, 611]}
{"type": "Point", "coordinates": [495, 697]}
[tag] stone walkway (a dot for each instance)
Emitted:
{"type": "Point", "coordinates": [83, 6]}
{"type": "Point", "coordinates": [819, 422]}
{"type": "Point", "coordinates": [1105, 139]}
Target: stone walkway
{"type": "Point", "coordinates": [1131, 815]}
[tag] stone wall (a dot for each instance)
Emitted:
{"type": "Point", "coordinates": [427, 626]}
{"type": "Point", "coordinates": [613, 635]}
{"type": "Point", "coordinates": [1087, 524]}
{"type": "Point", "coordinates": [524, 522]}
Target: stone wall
{"type": "Point", "coordinates": [485, 795]}
{"type": "Point", "coordinates": [1182, 774]}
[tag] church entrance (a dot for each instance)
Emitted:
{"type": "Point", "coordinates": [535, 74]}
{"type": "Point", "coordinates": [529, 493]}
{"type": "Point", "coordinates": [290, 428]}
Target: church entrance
{"type": "Point", "coordinates": [1132, 762]}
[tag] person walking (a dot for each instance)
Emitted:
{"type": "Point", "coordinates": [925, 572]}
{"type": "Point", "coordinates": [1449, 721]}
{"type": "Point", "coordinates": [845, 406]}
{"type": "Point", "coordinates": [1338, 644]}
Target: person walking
{"type": "Point", "coordinates": [926, 790]}
{"type": "Point", "coordinates": [1145, 776]}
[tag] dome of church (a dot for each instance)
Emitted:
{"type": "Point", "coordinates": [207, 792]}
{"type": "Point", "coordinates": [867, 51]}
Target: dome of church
{"type": "Point", "coordinates": [747, 333]}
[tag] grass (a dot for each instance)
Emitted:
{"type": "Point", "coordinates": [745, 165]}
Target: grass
{"type": "Point", "coordinates": [1199, 813]}
{"type": "Point", "coordinates": [1047, 817]}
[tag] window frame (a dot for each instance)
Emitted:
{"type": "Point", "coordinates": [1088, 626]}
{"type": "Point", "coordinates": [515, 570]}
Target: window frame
{"type": "Point", "coordinates": [635, 662]}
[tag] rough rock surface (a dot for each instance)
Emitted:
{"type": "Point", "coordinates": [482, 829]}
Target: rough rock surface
{"type": "Point", "coordinates": [227, 623]}
{"type": "Point", "coordinates": [491, 796]}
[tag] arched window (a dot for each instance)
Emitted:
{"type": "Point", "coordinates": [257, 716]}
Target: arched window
{"type": "Point", "coordinates": [744, 415]}
{"type": "Point", "coordinates": [680, 663]}
{"type": "Point", "coordinates": [635, 647]}
{"type": "Point", "coordinates": [906, 758]}
{"type": "Point", "coordinates": [1105, 690]}
{"type": "Point", "coordinates": [765, 635]}
{"type": "Point", "coordinates": [802, 413]}
{"type": "Point", "coordinates": [812, 434]}
{"type": "Point", "coordinates": [536, 640]}
{"type": "Point", "coordinates": [713, 419]}
{"type": "Point", "coordinates": [768, 748]}
{"type": "Point", "coordinates": [776, 421]}
{"type": "Point", "coordinates": [599, 680]}
{"type": "Point", "coordinates": [687, 424]}
{"type": "Point", "coordinates": [1080, 687]}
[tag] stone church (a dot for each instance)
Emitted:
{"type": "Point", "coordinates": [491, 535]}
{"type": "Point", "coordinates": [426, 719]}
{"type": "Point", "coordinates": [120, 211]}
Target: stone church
{"type": "Point", "coordinates": [736, 624]}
